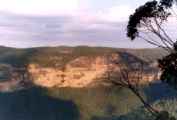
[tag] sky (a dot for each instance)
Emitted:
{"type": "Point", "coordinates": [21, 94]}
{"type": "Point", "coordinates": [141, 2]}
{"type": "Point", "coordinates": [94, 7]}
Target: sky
{"type": "Point", "coordinates": [34, 23]}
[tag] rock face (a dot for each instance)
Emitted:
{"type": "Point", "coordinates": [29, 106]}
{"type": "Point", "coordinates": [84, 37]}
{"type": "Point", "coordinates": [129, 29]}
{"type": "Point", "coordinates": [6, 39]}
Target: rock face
{"type": "Point", "coordinates": [80, 72]}
{"type": "Point", "coordinates": [80, 66]}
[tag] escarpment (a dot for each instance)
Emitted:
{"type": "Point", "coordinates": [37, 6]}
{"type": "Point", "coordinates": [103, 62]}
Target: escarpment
{"type": "Point", "coordinates": [77, 73]}
{"type": "Point", "coordinates": [83, 71]}
{"type": "Point", "coordinates": [71, 67]}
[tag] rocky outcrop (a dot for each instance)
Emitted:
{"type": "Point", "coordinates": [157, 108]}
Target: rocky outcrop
{"type": "Point", "coordinates": [81, 72]}
{"type": "Point", "coordinates": [78, 73]}
{"type": "Point", "coordinates": [72, 66]}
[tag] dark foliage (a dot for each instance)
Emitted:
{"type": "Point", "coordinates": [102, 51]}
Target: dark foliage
{"type": "Point", "coordinates": [34, 104]}
{"type": "Point", "coordinates": [152, 9]}
{"type": "Point", "coordinates": [168, 66]}
{"type": "Point", "coordinates": [164, 115]}
{"type": "Point", "coordinates": [141, 13]}
{"type": "Point", "coordinates": [150, 16]}
{"type": "Point", "coordinates": [167, 3]}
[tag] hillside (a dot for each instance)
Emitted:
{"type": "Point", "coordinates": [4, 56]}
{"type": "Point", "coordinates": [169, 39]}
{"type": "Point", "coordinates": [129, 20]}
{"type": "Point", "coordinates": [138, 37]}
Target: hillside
{"type": "Point", "coordinates": [58, 80]}
{"type": "Point", "coordinates": [80, 66]}
{"type": "Point", "coordinates": [41, 55]}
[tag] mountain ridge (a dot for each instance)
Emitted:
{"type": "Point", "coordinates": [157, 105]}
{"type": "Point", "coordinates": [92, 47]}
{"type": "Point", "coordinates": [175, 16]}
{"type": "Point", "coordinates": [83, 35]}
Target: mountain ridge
{"type": "Point", "coordinates": [50, 66]}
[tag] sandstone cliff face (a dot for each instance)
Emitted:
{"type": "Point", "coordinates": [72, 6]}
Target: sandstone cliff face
{"type": "Point", "coordinates": [80, 72]}
{"type": "Point", "coordinates": [70, 67]}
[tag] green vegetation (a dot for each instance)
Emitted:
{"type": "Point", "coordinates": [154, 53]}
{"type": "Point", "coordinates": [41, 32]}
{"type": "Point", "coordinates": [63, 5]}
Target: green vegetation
{"type": "Point", "coordinates": [148, 55]}
{"type": "Point", "coordinates": [168, 105]}
{"type": "Point", "coordinates": [4, 72]}
{"type": "Point", "coordinates": [93, 103]}
{"type": "Point", "coordinates": [100, 101]}
{"type": "Point", "coordinates": [33, 104]}
{"type": "Point", "coordinates": [59, 56]}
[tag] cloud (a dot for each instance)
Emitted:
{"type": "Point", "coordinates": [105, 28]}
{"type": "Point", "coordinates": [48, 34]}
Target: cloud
{"type": "Point", "coordinates": [77, 8]}
{"type": "Point", "coordinates": [30, 23]}
{"type": "Point", "coordinates": [40, 7]}
{"type": "Point", "coordinates": [25, 31]}
{"type": "Point", "coordinates": [116, 13]}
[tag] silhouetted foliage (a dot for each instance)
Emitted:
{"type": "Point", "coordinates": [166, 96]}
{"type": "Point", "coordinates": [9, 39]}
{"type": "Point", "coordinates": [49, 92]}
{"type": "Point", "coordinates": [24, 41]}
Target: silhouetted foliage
{"type": "Point", "coordinates": [168, 67]}
{"type": "Point", "coordinates": [148, 20]}
{"type": "Point", "coordinates": [167, 3]}
{"type": "Point", "coordinates": [147, 24]}
{"type": "Point", "coordinates": [145, 11]}
{"type": "Point", "coordinates": [130, 77]}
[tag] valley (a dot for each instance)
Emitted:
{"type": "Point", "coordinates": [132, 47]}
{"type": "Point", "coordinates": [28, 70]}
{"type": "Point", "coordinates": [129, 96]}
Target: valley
{"type": "Point", "coordinates": [71, 83]}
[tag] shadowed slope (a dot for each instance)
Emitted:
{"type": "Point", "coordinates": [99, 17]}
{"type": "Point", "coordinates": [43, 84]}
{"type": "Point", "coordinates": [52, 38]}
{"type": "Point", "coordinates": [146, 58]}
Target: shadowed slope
{"type": "Point", "coordinates": [32, 104]}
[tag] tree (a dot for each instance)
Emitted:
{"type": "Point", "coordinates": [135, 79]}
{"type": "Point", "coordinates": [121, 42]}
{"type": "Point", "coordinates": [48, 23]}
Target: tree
{"type": "Point", "coordinates": [168, 67]}
{"type": "Point", "coordinates": [148, 23]}
{"type": "Point", "coordinates": [131, 78]}
{"type": "Point", "coordinates": [128, 76]}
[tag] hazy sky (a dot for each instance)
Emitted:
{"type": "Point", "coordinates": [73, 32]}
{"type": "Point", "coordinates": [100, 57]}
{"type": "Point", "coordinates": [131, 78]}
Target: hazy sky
{"type": "Point", "coordinates": [30, 23]}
